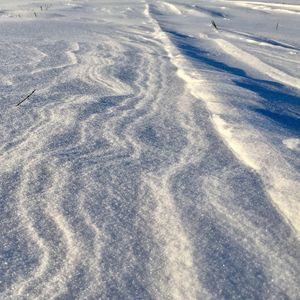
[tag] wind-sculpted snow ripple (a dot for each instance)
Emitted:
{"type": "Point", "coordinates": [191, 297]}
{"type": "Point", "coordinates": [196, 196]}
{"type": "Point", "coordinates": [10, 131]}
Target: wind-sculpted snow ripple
{"type": "Point", "coordinates": [79, 200]}
{"type": "Point", "coordinates": [114, 182]}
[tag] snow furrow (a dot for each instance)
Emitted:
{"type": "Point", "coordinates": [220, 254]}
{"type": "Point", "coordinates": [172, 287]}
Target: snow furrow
{"type": "Point", "coordinates": [255, 63]}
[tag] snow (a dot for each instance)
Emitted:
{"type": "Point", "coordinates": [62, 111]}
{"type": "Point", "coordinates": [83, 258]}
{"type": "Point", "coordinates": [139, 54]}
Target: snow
{"type": "Point", "coordinates": [158, 157]}
{"type": "Point", "coordinates": [293, 144]}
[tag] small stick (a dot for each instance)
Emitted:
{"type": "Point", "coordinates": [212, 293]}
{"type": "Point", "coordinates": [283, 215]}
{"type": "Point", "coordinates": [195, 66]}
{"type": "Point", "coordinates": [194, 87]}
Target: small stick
{"type": "Point", "coordinates": [26, 97]}
{"type": "Point", "coordinates": [277, 25]}
{"type": "Point", "coordinates": [214, 24]}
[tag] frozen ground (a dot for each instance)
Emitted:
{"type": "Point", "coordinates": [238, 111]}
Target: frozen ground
{"type": "Point", "coordinates": [159, 158]}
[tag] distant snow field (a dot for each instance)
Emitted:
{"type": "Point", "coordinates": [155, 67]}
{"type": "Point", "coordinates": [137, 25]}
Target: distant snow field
{"type": "Point", "coordinates": [156, 154]}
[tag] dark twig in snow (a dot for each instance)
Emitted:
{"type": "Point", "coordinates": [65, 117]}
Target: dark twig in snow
{"type": "Point", "coordinates": [26, 98]}
{"type": "Point", "coordinates": [214, 24]}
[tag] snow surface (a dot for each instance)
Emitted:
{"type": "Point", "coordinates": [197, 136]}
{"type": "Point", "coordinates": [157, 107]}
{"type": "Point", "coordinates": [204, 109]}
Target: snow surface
{"type": "Point", "coordinates": [158, 157]}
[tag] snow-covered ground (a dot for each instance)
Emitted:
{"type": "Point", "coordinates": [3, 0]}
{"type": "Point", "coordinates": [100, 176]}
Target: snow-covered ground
{"type": "Point", "coordinates": [159, 157]}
